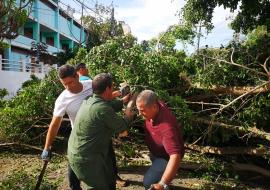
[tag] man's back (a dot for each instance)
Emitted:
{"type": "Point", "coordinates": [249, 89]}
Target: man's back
{"type": "Point", "coordinates": [94, 127]}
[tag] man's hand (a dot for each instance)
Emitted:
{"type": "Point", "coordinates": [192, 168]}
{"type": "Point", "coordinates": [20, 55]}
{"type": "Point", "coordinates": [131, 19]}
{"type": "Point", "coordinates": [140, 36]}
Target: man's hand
{"type": "Point", "coordinates": [124, 89]}
{"type": "Point", "coordinates": [116, 93]}
{"type": "Point", "coordinates": [46, 155]}
{"type": "Point", "coordinates": [123, 134]}
{"type": "Point", "coordinates": [157, 186]}
{"type": "Point", "coordinates": [126, 98]}
{"type": "Point", "coordinates": [128, 113]}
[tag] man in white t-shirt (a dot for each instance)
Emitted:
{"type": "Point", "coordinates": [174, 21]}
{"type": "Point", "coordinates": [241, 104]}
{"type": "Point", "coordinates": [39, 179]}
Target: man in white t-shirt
{"type": "Point", "coordinates": [68, 102]}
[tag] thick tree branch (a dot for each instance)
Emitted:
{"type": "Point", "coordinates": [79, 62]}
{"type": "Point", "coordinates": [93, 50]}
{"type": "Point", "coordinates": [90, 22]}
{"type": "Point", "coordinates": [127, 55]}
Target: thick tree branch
{"type": "Point", "coordinates": [252, 130]}
{"type": "Point", "coordinates": [252, 168]}
{"type": "Point", "coordinates": [236, 90]}
{"type": "Point", "coordinates": [243, 95]}
{"type": "Point", "coordinates": [235, 166]}
{"type": "Point", "coordinates": [24, 145]}
{"type": "Point", "coordinates": [228, 150]}
{"type": "Point", "coordinates": [265, 66]}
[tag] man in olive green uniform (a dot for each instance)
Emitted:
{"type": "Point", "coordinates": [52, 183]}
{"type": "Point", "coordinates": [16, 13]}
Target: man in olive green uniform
{"type": "Point", "coordinates": [95, 124]}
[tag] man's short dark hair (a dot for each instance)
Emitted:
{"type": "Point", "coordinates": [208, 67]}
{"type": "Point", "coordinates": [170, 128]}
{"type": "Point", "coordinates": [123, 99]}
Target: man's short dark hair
{"type": "Point", "coordinates": [66, 71]}
{"type": "Point", "coordinates": [101, 82]}
{"type": "Point", "coordinates": [80, 66]}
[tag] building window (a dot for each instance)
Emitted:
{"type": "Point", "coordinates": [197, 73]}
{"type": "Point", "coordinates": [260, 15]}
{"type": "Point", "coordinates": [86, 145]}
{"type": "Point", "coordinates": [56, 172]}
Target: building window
{"type": "Point", "coordinates": [50, 41]}
{"type": "Point", "coordinates": [28, 32]}
{"type": "Point", "coordinates": [65, 47]}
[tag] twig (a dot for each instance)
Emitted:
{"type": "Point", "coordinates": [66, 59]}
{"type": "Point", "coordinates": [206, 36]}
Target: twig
{"type": "Point", "coordinates": [243, 95]}
{"type": "Point", "coordinates": [238, 65]}
{"type": "Point", "coordinates": [205, 103]}
{"type": "Point", "coordinates": [24, 145]}
{"type": "Point", "coordinates": [265, 66]}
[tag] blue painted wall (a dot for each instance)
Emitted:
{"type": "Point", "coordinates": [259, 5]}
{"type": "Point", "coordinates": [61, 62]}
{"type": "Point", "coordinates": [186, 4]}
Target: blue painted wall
{"type": "Point", "coordinates": [47, 15]}
{"type": "Point", "coordinates": [18, 56]}
{"type": "Point", "coordinates": [76, 32]}
{"type": "Point", "coordinates": [65, 26]}
{"type": "Point", "coordinates": [47, 22]}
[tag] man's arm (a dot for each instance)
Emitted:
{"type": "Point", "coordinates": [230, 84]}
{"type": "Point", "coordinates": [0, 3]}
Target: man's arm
{"type": "Point", "coordinates": [170, 171]}
{"type": "Point", "coordinates": [52, 131]}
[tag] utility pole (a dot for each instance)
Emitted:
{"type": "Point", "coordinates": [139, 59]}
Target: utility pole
{"type": "Point", "coordinates": [199, 37]}
{"type": "Point", "coordinates": [82, 29]}
{"type": "Point", "coordinates": [112, 31]}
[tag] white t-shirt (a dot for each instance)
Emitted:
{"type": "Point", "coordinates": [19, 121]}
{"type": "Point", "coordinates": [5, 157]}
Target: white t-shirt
{"type": "Point", "coordinates": [69, 103]}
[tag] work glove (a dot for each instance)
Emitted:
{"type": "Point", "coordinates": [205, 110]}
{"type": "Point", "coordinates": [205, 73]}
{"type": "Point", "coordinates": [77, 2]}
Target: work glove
{"type": "Point", "coordinates": [46, 155]}
{"type": "Point", "coordinates": [124, 89]}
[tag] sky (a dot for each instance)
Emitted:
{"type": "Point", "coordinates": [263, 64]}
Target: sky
{"type": "Point", "coordinates": [148, 18]}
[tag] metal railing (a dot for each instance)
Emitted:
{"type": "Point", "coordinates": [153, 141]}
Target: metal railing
{"type": "Point", "coordinates": [24, 66]}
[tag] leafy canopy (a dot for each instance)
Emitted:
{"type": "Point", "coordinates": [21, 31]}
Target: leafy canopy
{"type": "Point", "coordinates": [13, 15]}
{"type": "Point", "coordinates": [250, 15]}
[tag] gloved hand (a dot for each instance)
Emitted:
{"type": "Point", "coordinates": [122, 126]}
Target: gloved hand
{"type": "Point", "coordinates": [46, 155]}
{"type": "Point", "coordinates": [124, 89]}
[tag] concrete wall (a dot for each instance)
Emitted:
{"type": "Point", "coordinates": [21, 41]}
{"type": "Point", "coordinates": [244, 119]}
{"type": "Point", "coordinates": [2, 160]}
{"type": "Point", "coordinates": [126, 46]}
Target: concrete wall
{"type": "Point", "coordinates": [12, 80]}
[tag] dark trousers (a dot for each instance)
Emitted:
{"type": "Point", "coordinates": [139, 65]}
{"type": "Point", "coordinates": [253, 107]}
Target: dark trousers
{"type": "Point", "coordinates": [115, 170]}
{"type": "Point", "coordinates": [74, 182]}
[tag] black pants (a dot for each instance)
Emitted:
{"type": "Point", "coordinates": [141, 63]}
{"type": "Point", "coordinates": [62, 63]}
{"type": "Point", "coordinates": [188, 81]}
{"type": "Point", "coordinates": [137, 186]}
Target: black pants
{"type": "Point", "coordinates": [115, 170]}
{"type": "Point", "coordinates": [74, 182]}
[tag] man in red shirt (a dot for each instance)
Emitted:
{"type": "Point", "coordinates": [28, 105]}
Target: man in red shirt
{"type": "Point", "coordinates": [163, 138]}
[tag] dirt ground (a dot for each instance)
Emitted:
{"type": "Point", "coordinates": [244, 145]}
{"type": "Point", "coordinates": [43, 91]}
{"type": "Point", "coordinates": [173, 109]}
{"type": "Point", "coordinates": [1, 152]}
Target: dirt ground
{"type": "Point", "coordinates": [56, 171]}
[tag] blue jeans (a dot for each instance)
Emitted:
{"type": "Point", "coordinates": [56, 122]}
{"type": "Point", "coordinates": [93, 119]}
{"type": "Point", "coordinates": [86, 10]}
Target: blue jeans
{"type": "Point", "coordinates": [155, 172]}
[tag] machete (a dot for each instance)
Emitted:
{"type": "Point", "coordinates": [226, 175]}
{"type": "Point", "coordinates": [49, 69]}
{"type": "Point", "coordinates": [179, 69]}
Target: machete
{"type": "Point", "coordinates": [40, 177]}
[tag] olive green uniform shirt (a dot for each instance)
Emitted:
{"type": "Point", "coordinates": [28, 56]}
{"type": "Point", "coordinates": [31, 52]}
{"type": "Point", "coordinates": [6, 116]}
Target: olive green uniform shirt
{"type": "Point", "coordinates": [95, 124]}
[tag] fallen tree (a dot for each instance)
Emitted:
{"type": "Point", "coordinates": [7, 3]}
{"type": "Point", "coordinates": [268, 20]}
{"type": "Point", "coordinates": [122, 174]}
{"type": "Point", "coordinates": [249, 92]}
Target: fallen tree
{"type": "Point", "coordinates": [251, 130]}
{"type": "Point", "coordinates": [235, 90]}
{"type": "Point", "coordinates": [254, 151]}
{"type": "Point", "coordinates": [235, 166]}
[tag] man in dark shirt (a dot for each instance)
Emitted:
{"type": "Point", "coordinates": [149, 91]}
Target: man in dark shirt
{"type": "Point", "coordinates": [163, 138]}
{"type": "Point", "coordinates": [90, 140]}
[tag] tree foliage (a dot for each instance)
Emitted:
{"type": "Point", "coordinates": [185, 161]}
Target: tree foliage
{"type": "Point", "coordinates": [121, 56]}
{"type": "Point", "coordinates": [185, 83]}
{"type": "Point", "coordinates": [102, 26]}
{"type": "Point", "coordinates": [13, 14]}
{"type": "Point", "coordinates": [32, 106]}
{"type": "Point", "coordinates": [250, 13]}
{"type": "Point", "coordinates": [40, 51]}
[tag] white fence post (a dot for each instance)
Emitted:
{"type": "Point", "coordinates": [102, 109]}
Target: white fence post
{"type": "Point", "coordinates": [23, 66]}
{"type": "Point", "coordinates": [55, 66]}
{"type": "Point", "coordinates": [41, 69]}
{"type": "Point", "coordinates": [1, 62]}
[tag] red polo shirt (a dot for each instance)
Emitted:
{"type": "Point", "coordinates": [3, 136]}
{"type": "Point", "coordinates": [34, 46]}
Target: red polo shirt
{"type": "Point", "coordinates": [163, 134]}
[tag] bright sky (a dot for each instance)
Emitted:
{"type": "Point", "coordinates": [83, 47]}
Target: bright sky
{"type": "Point", "coordinates": [148, 18]}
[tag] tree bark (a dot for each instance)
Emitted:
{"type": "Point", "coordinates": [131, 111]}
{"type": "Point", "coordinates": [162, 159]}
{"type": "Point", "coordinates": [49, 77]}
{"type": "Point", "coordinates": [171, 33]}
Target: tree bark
{"type": "Point", "coordinates": [235, 90]}
{"type": "Point", "coordinates": [253, 130]}
{"type": "Point", "coordinates": [228, 150]}
{"type": "Point", "coordinates": [252, 168]}
{"type": "Point", "coordinates": [235, 166]}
